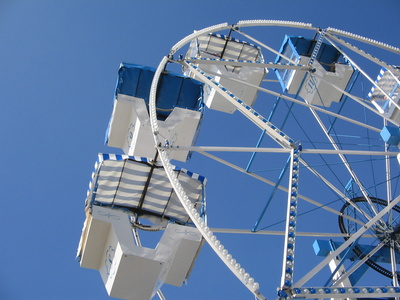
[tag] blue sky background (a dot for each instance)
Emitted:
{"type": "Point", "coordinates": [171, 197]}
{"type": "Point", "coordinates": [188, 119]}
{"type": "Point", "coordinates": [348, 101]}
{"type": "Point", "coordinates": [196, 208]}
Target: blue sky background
{"type": "Point", "coordinates": [58, 67]}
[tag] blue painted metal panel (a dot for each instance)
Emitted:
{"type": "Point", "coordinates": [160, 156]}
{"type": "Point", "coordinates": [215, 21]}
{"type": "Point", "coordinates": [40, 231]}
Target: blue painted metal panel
{"type": "Point", "coordinates": [391, 135]}
{"type": "Point", "coordinates": [173, 90]}
{"type": "Point", "coordinates": [322, 248]}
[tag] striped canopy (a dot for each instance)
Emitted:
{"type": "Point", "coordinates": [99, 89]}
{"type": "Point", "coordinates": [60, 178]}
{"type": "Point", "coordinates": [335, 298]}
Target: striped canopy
{"type": "Point", "coordinates": [228, 48]}
{"type": "Point", "coordinates": [390, 85]}
{"type": "Point", "coordinates": [140, 185]}
{"type": "Point", "coordinates": [225, 47]}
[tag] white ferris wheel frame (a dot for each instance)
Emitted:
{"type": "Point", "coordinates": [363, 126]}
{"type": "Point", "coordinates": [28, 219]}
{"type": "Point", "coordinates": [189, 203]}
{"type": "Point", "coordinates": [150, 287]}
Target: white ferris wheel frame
{"type": "Point", "coordinates": [287, 145]}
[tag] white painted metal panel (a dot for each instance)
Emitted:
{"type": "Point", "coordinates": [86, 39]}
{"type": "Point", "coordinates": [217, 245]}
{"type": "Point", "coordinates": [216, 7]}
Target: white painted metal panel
{"type": "Point", "coordinates": [130, 128]}
{"type": "Point", "coordinates": [133, 272]}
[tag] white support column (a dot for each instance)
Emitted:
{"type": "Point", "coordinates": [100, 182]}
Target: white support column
{"type": "Point", "coordinates": [290, 232]}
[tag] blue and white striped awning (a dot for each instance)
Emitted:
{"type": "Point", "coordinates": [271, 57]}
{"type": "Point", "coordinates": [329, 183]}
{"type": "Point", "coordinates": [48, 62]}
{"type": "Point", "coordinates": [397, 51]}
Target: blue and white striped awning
{"type": "Point", "coordinates": [225, 47]}
{"type": "Point", "coordinates": [389, 84]}
{"type": "Point", "coordinates": [142, 186]}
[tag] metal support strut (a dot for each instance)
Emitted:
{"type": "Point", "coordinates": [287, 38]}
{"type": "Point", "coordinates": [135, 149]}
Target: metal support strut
{"type": "Point", "coordinates": [290, 232]}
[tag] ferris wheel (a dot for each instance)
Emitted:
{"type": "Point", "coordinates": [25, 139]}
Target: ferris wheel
{"type": "Point", "coordinates": [294, 130]}
{"type": "Point", "coordinates": [325, 104]}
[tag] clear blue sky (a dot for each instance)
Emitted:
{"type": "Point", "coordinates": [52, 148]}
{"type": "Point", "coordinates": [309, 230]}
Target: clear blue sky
{"type": "Point", "coordinates": [58, 66]}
